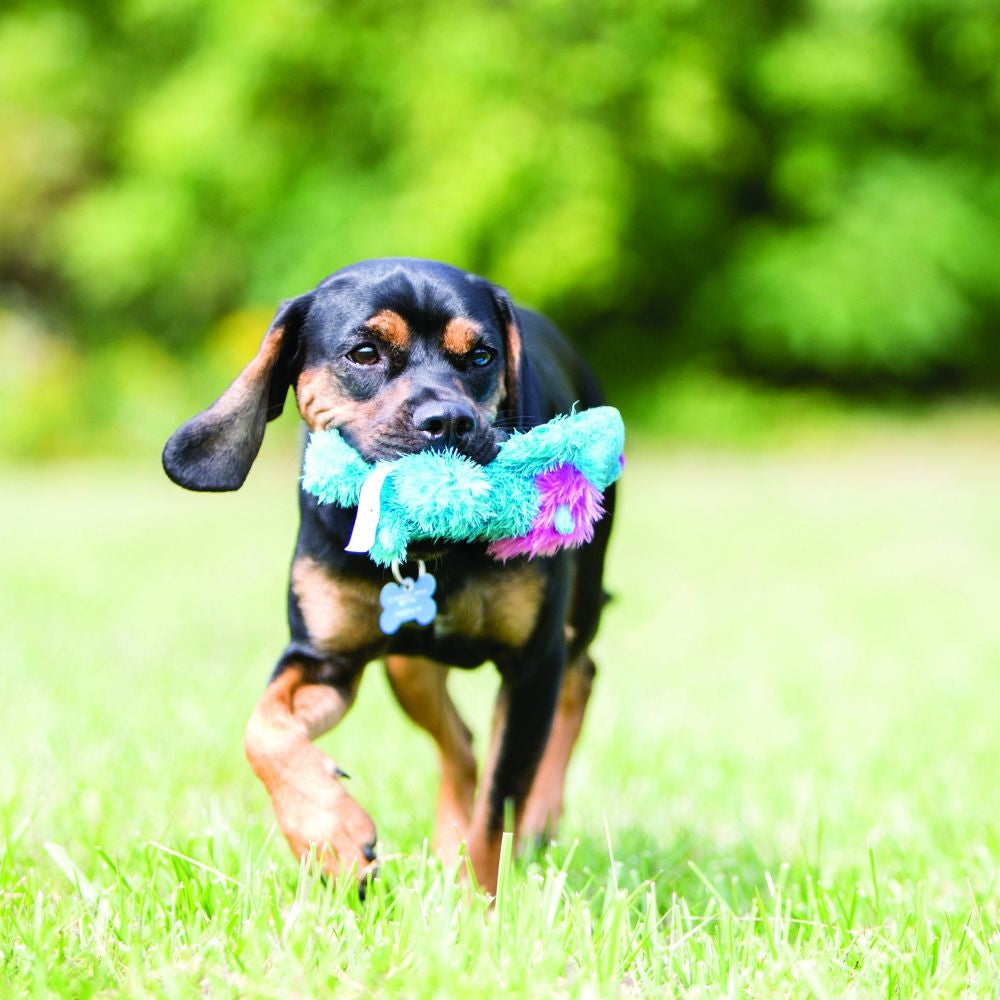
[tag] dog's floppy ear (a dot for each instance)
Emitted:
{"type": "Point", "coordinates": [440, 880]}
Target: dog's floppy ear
{"type": "Point", "coordinates": [516, 372]}
{"type": "Point", "coordinates": [214, 450]}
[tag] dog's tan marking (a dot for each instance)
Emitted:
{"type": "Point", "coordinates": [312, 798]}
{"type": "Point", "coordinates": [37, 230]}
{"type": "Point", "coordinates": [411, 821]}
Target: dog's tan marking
{"type": "Point", "coordinates": [340, 616]}
{"type": "Point", "coordinates": [313, 811]}
{"type": "Point", "coordinates": [460, 335]}
{"type": "Point", "coordinates": [322, 404]}
{"type": "Point", "coordinates": [491, 406]}
{"type": "Point", "coordinates": [503, 607]}
{"type": "Point", "coordinates": [248, 382]}
{"type": "Point", "coordinates": [483, 841]}
{"type": "Point", "coordinates": [371, 422]}
{"type": "Point", "coordinates": [319, 400]}
{"type": "Point", "coordinates": [391, 327]}
{"type": "Point", "coordinates": [512, 372]}
{"type": "Point", "coordinates": [420, 686]}
{"type": "Point", "coordinates": [511, 605]}
{"type": "Point", "coordinates": [251, 383]}
{"type": "Point", "coordinates": [543, 807]}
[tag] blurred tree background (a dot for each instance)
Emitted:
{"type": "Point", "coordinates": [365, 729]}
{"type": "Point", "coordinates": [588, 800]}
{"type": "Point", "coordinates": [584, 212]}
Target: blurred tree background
{"type": "Point", "coordinates": [793, 191]}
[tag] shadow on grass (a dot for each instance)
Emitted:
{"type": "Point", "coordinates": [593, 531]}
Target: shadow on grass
{"type": "Point", "coordinates": [688, 866]}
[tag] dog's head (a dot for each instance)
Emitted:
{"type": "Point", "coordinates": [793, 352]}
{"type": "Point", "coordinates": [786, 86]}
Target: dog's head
{"type": "Point", "coordinates": [399, 355]}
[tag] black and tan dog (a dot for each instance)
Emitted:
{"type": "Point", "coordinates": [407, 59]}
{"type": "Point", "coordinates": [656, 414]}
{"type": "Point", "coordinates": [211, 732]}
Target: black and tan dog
{"type": "Point", "coordinates": [403, 355]}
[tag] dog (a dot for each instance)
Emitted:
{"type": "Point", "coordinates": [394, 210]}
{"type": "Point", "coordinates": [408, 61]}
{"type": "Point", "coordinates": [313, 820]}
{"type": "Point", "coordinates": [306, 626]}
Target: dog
{"type": "Point", "coordinates": [402, 355]}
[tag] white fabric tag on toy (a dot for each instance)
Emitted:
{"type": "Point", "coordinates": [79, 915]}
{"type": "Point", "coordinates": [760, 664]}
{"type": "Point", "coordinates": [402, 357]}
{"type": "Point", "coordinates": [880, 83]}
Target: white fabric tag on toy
{"type": "Point", "coordinates": [369, 509]}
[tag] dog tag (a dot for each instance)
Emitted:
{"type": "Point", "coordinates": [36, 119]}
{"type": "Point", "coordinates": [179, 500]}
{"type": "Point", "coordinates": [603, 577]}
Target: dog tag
{"type": "Point", "coordinates": [408, 600]}
{"type": "Point", "coordinates": [369, 510]}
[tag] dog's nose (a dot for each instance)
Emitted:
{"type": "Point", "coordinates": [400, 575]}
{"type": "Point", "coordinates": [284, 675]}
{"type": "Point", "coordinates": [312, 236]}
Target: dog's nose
{"type": "Point", "coordinates": [446, 425]}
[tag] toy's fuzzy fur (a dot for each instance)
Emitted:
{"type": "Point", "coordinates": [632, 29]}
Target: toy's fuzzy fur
{"type": "Point", "coordinates": [541, 493]}
{"type": "Point", "coordinates": [569, 506]}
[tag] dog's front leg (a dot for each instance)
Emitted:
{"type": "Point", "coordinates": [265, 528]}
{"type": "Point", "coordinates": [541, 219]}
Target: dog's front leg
{"type": "Point", "coordinates": [521, 723]}
{"type": "Point", "coordinates": [314, 811]}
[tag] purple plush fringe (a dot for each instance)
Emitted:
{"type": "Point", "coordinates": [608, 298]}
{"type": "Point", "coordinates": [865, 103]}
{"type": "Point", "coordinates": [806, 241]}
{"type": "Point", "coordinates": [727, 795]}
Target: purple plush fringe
{"type": "Point", "coordinates": [563, 486]}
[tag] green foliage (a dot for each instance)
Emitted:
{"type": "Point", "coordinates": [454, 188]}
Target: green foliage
{"type": "Point", "coordinates": [888, 281]}
{"type": "Point", "coordinates": [797, 189]}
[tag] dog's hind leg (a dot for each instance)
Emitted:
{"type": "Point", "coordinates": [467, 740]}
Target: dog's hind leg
{"type": "Point", "coordinates": [545, 800]}
{"type": "Point", "coordinates": [420, 686]}
{"type": "Point", "coordinates": [312, 807]}
{"type": "Point", "coordinates": [543, 809]}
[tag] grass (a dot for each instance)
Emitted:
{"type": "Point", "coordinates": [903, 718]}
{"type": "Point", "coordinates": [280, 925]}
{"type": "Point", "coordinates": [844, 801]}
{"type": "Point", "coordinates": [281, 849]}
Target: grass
{"type": "Point", "coordinates": [787, 785]}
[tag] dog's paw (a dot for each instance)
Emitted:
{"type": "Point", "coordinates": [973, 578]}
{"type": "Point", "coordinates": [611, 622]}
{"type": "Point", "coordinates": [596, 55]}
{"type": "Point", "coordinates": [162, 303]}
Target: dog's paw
{"type": "Point", "coordinates": [320, 819]}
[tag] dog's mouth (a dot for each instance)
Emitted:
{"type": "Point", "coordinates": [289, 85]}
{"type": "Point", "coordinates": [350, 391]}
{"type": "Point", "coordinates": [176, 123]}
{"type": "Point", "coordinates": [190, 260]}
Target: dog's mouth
{"type": "Point", "coordinates": [386, 445]}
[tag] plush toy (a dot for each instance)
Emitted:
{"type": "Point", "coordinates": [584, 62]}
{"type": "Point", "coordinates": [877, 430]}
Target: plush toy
{"type": "Point", "coordinates": [542, 493]}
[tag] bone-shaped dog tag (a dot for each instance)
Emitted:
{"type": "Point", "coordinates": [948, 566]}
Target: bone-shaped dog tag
{"type": "Point", "coordinates": [408, 601]}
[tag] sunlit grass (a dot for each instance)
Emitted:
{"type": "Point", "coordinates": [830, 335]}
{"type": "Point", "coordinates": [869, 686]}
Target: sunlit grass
{"type": "Point", "coordinates": [787, 786]}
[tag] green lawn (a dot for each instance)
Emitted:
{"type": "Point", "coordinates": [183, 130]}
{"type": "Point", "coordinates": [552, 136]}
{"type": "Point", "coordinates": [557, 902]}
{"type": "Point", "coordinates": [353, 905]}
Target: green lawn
{"type": "Point", "coordinates": [788, 784]}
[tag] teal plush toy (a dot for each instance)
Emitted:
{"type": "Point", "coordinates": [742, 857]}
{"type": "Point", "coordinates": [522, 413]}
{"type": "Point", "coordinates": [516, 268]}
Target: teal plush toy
{"type": "Point", "coordinates": [542, 493]}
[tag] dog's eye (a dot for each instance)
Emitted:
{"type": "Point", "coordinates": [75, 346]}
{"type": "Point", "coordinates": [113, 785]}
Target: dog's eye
{"type": "Point", "coordinates": [480, 357]}
{"type": "Point", "coordinates": [364, 354]}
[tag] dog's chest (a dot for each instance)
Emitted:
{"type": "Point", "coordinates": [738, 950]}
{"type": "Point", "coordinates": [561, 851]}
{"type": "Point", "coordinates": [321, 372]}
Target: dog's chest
{"type": "Point", "coordinates": [500, 608]}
